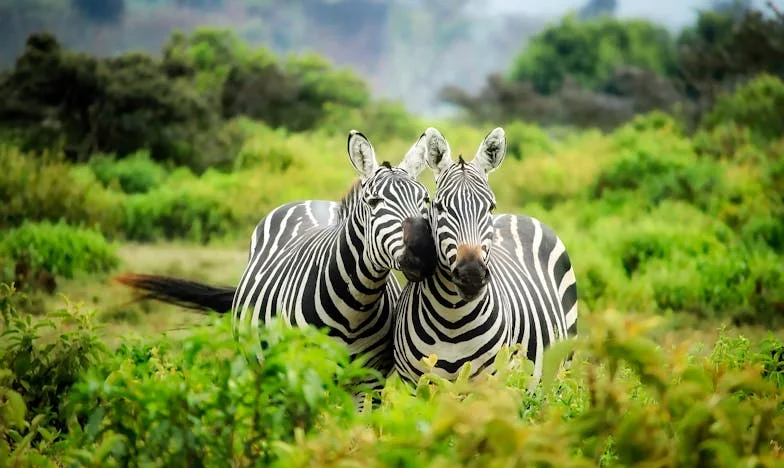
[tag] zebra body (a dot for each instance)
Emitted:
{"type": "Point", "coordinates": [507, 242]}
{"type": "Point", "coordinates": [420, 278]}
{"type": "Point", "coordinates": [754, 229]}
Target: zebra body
{"type": "Point", "coordinates": [501, 280]}
{"type": "Point", "coordinates": [329, 264]}
{"type": "Point", "coordinates": [304, 267]}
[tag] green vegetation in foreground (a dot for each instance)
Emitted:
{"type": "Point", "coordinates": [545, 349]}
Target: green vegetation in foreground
{"type": "Point", "coordinates": [64, 398]}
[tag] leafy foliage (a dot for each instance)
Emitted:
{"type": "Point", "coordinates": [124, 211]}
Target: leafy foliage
{"type": "Point", "coordinates": [205, 398]}
{"type": "Point", "coordinates": [37, 371]}
{"type": "Point", "coordinates": [756, 106]}
{"type": "Point", "coordinates": [589, 51]}
{"type": "Point", "coordinates": [46, 189]}
{"type": "Point", "coordinates": [601, 72]}
{"type": "Point", "coordinates": [134, 174]}
{"type": "Point", "coordinates": [59, 249]}
{"type": "Point", "coordinates": [206, 402]}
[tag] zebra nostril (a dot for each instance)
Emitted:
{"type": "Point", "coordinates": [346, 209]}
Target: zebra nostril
{"type": "Point", "coordinates": [456, 275]}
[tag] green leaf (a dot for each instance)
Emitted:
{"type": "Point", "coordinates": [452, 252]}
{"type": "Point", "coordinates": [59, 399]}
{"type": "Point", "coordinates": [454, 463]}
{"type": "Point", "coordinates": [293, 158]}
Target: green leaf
{"type": "Point", "coordinates": [464, 374]}
{"type": "Point", "coordinates": [94, 422]}
{"type": "Point", "coordinates": [554, 356]}
{"type": "Point", "coordinates": [14, 409]}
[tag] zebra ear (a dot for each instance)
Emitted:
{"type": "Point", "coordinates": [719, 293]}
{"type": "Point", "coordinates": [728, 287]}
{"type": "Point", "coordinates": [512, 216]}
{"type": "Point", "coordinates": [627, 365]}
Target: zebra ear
{"type": "Point", "coordinates": [414, 160]}
{"type": "Point", "coordinates": [491, 152]}
{"type": "Point", "coordinates": [437, 152]}
{"type": "Point", "coordinates": [361, 154]}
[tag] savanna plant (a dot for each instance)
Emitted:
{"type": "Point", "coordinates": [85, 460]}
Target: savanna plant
{"type": "Point", "coordinates": [207, 402]}
{"type": "Point", "coordinates": [40, 361]}
{"type": "Point", "coordinates": [626, 400]}
{"type": "Point", "coordinates": [60, 249]}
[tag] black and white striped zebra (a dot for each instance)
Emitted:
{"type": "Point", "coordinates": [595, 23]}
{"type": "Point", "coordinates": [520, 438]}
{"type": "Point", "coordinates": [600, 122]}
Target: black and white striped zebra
{"type": "Point", "coordinates": [328, 264]}
{"type": "Point", "coordinates": [500, 280]}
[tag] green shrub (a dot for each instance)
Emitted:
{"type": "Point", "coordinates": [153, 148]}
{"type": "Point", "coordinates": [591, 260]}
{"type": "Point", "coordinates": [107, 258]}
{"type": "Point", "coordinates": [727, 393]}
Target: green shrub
{"type": "Point", "coordinates": [204, 402]}
{"type": "Point", "coordinates": [661, 168]}
{"type": "Point", "coordinates": [672, 230]}
{"type": "Point", "coordinates": [60, 249]}
{"type": "Point", "coordinates": [755, 106]}
{"type": "Point", "coordinates": [265, 147]}
{"type": "Point", "coordinates": [42, 189]}
{"type": "Point", "coordinates": [628, 398]}
{"type": "Point", "coordinates": [36, 374]}
{"type": "Point", "coordinates": [589, 51]}
{"type": "Point", "coordinates": [524, 139]}
{"type": "Point", "coordinates": [626, 401]}
{"type": "Point", "coordinates": [380, 121]}
{"type": "Point", "coordinates": [197, 209]}
{"type": "Point", "coordinates": [724, 141]}
{"type": "Point", "coordinates": [136, 173]}
{"type": "Point", "coordinates": [738, 284]}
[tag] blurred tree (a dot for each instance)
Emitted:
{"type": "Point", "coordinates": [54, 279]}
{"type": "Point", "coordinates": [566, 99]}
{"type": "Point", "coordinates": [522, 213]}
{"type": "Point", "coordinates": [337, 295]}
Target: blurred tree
{"type": "Point", "coordinates": [588, 52]}
{"type": "Point", "coordinates": [723, 50]}
{"type": "Point", "coordinates": [260, 91]}
{"type": "Point", "coordinates": [87, 105]}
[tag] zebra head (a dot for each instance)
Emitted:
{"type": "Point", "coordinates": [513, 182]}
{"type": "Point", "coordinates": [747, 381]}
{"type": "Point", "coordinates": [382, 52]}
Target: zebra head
{"type": "Point", "coordinates": [394, 206]}
{"type": "Point", "coordinates": [462, 211]}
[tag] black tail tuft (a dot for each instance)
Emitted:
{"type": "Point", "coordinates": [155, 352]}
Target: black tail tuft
{"type": "Point", "coordinates": [181, 292]}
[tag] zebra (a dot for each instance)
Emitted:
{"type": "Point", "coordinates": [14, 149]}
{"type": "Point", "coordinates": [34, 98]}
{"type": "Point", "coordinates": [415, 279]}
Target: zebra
{"type": "Point", "coordinates": [501, 279]}
{"type": "Point", "coordinates": [328, 264]}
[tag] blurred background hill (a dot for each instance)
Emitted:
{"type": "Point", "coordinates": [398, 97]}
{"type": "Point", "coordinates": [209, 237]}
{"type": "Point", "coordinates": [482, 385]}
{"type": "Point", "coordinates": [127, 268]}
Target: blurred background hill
{"type": "Point", "coordinates": [407, 50]}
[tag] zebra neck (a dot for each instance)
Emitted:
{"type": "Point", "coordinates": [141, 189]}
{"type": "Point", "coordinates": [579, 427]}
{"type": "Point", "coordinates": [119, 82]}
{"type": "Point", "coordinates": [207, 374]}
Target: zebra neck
{"type": "Point", "coordinates": [351, 271]}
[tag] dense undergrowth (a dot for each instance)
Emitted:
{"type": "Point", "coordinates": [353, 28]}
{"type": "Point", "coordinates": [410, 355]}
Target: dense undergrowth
{"type": "Point", "coordinates": [65, 399]}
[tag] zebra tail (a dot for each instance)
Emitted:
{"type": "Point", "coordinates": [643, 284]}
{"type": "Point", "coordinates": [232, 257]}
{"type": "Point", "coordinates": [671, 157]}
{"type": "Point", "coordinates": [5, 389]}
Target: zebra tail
{"type": "Point", "coordinates": [178, 291]}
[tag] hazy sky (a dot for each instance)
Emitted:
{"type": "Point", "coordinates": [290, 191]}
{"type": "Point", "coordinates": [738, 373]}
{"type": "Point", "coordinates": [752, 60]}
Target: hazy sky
{"type": "Point", "coordinates": [672, 13]}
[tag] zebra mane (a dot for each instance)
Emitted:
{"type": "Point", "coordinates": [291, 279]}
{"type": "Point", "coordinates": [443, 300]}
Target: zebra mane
{"type": "Point", "coordinates": [386, 164]}
{"type": "Point", "coordinates": [349, 199]}
{"type": "Point", "coordinates": [461, 161]}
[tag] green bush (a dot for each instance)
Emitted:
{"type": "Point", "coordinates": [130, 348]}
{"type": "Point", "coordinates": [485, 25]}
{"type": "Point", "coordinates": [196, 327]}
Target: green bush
{"type": "Point", "coordinates": [742, 285]}
{"type": "Point", "coordinates": [36, 189]}
{"type": "Point", "coordinates": [36, 375]}
{"type": "Point", "coordinates": [60, 249]}
{"type": "Point", "coordinates": [525, 139]}
{"type": "Point", "coordinates": [136, 173]}
{"type": "Point", "coordinates": [197, 209]}
{"type": "Point", "coordinates": [755, 106]}
{"type": "Point", "coordinates": [589, 51]}
{"type": "Point", "coordinates": [206, 399]}
{"type": "Point", "coordinates": [659, 166]}
{"type": "Point", "coordinates": [626, 401]}
{"type": "Point", "coordinates": [204, 402]}
{"type": "Point", "coordinates": [380, 121]}
{"type": "Point", "coordinates": [266, 148]}
{"type": "Point", "coordinates": [724, 141]}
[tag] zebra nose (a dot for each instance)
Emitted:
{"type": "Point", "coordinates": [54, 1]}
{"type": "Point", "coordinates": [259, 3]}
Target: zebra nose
{"type": "Point", "coordinates": [473, 272]}
{"type": "Point", "coordinates": [419, 257]}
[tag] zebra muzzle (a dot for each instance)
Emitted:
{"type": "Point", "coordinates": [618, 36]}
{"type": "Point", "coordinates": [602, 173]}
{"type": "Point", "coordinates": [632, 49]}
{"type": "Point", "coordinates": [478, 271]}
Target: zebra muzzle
{"type": "Point", "coordinates": [418, 260]}
{"type": "Point", "coordinates": [470, 274]}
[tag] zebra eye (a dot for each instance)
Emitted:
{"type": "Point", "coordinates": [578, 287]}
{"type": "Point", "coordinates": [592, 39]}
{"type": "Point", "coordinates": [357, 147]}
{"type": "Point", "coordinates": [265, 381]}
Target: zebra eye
{"type": "Point", "coordinates": [492, 207]}
{"type": "Point", "coordinates": [374, 201]}
{"type": "Point", "coordinates": [438, 206]}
